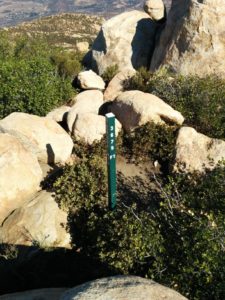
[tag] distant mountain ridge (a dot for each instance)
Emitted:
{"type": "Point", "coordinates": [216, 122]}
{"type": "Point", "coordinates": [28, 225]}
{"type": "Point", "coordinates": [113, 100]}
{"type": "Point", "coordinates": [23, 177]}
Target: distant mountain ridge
{"type": "Point", "coordinates": [13, 12]}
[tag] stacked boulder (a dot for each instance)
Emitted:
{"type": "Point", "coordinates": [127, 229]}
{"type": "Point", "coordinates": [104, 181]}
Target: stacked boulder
{"type": "Point", "coordinates": [155, 9]}
{"type": "Point", "coordinates": [83, 119]}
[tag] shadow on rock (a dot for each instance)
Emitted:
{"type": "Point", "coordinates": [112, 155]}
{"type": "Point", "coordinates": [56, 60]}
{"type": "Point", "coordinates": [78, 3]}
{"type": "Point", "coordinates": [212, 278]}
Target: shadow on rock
{"type": "Point", "coordinates": [24, 268]}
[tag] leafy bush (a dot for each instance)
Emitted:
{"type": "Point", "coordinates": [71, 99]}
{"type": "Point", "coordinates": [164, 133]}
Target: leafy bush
{"type": "Point", "coordinates": [5, 46]}
{"type": "Point", "coordinates": [109, 73]}
{"type": "Point", "coordinates": [30, 80]}
{"type": "Point", "coordinates": [150, 142]}
{"type": "Point", "coordinates": [192, 225]}
{"type": "Point", "coordinates": [125, 239]}
{"type": "Point", "coordinates": [177, 238]}
{"type": "Point", "coordinates": [31, 86]}
{"type": "Point", "coordinates": [82, 184]}
{"type": "Point", "coordinates": [200, 100]}
{"type": "Point", "coordinates": [68, 63]}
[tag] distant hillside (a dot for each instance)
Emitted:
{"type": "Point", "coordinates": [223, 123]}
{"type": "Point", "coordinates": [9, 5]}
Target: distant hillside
{"type": "Point", "coordinates": [13, 12]}
{"type": "Point", "coordinates": [65, 30]}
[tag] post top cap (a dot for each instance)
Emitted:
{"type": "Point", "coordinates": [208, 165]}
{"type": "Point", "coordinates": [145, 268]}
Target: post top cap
{"type": "Point", "coordinates": [110, 115]}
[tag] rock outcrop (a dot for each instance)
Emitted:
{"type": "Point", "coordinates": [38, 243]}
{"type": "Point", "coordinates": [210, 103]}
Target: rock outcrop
{"type": "Point", "coordinates": [155, 9]}
{"type": "Point", "coordinates": [90, 127]}
{"type": "Point", "coordinates": [126, 40]}
{"type": "Point", "coordinates": [121, 288]}
{"type": "Point", "coordinates": [115, 86]}
{"type": "Point", "coordinates": [40, 135]}
{"type": "Point", "coordinates": [20, 174]}
{"type": "Point", "coordinates": [85, 102]}
{"type": "Point", "coordinates": [135, 108]}
{"type": "Point", "coordinates": [193, 40]}
{"type": "Point", "coordinates": [89, 80]}
{"type": "Point", "coordinates": [196, 151]}
{"type": "Point", "coordinates": [39, 221]}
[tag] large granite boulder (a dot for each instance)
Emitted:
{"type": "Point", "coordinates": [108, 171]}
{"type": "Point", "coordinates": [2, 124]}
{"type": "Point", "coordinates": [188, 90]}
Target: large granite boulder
{"type": "Point", "coordinates": [20, 174]}
{"type": "Point", "coordinates": [121, 288]}
{"type": "Point", "coordinates": [89, 80]}
{"type": "Point", "coordinates": [90, 127]}
{"type": "Point", "coordinates": [196, 151]}
{"type": "Point", "coordinates": [40, 135]}
{"type": "Point", "coordinates": [38, 221]}
{"type": "Point", "coordinates": [85, 102]}
{"type": "Point", "coordinates": [135, 108]}
{"type": "Point", "coordinates": [115, 86]}
{"type": "Point", "coordinates": [126, 40]}
{"type": "Point", "coordinates": [193, 40]}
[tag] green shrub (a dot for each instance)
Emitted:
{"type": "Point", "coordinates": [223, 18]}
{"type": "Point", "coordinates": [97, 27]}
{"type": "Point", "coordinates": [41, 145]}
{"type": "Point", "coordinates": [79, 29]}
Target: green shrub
{"type": "Point", "coordinates": [33, 77]}
{"type": "Point", "coordinates": [191, 216]}
{"type": "Point", "coordinates": [68, 63]}
{"type": "Point", "coordinates": [82, 184]}
{"type": "Point", "coordinates": [26, 48]}
{"type": "Point", "coordinates": [150, 142]}
{"type": "Point", "coordinates": [31, 86]}
{"type": "Point", "coordinates": [126, 239]}
{"type": "Point", "coordinates": [200, 100]}
{"type": "Point", "coordinates": [177, 238]}
{"type": "Point", "coordinates": [109, 73]}
{"type": "Point", "coordinates": [5, 46]}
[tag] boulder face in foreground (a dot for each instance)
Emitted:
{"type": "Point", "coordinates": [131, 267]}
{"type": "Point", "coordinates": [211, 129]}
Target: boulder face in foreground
{"type": "Point", "coordinates": [40, 135]}
{"type": "Point", "coordinates": [121, 288]}
{"type": "Point", "coordinates": [38, 221]}
{"type": "Point", "coordinates": [135, 108]}
{"type": "Point", "coordinates": [196, 151]}
{"type": "Point", "coordinates": [193, 40]}
{"type": "Point", "coordinates": [126, 40]}
{"type": "Point", "coordinates": [20, 174]}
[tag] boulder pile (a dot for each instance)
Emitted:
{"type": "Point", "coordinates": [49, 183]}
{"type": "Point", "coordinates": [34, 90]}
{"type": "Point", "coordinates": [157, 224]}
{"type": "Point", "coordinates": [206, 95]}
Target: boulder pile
{"type": "Point", "coordinates": [191, 41]}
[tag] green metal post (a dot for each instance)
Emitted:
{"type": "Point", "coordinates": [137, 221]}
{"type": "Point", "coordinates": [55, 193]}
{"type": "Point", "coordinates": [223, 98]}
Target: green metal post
{"type": "Point", "coordinates": [111, 159]}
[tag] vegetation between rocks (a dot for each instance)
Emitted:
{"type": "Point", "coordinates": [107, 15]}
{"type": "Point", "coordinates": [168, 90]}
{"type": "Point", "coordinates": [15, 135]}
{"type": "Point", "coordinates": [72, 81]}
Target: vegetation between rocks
{"type": "Point", "coordinates": [176, 237]}
{"type": "Point", "coordinates": [200, 100]}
